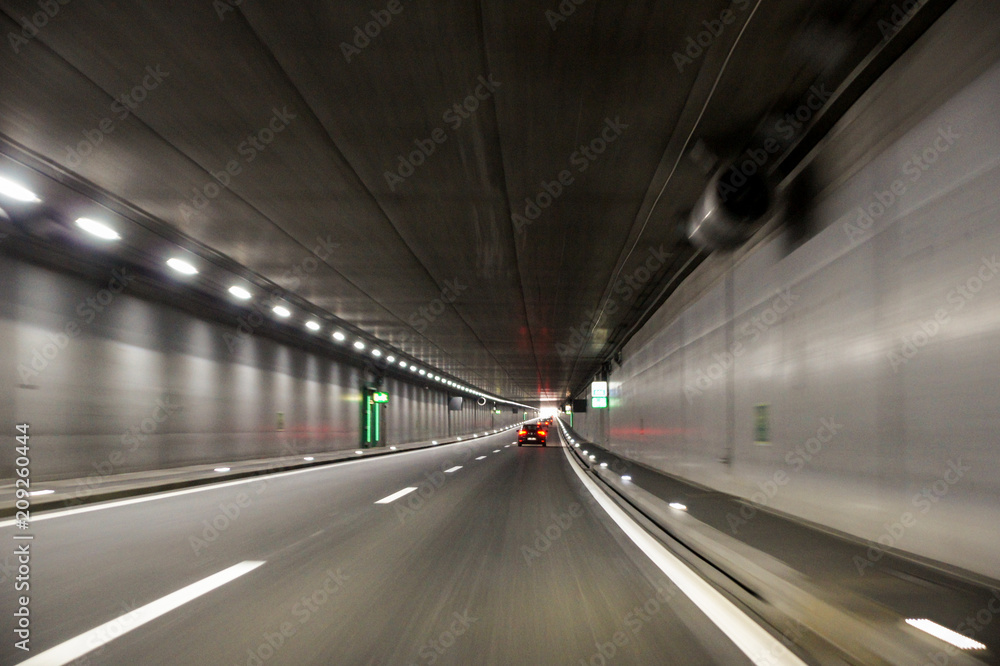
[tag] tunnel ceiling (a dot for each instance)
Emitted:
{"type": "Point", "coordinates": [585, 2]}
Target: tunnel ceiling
{"type": "Point", "coordinates": [430, 259]}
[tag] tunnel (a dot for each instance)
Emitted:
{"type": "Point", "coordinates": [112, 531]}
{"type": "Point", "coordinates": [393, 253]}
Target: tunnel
{"type": "Point", "coordinates": [521, 332]}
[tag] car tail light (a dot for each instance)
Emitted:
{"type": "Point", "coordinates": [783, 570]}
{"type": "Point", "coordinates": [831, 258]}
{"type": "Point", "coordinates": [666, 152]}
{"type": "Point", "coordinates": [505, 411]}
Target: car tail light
{"type": "Point", "coordinates": [542, 432]}
{"type": "Point", "coordinates": [523, 432]}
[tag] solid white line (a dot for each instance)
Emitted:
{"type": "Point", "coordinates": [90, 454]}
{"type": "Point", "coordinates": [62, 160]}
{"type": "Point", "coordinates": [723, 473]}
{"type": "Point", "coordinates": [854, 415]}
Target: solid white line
{"type": "Point", "coordinates": [75, 648]}
{"type": "Point", "coordinates": [453, 469]}
{"type": "Point", "coordinates": [945, 634]}
{"type": "Point", "coordinates": [761, 647]}
{"type": "Point", "coordinates": [396, 495]}
{"type": "Point", "coordinates": [256, 478]}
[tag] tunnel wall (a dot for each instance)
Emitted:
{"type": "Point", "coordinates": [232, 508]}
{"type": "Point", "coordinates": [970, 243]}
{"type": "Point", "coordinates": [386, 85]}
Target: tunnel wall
{"type": "Point", "coordinates": [136, 385]}
{"type": "Point", "coordinates": [852, 381]}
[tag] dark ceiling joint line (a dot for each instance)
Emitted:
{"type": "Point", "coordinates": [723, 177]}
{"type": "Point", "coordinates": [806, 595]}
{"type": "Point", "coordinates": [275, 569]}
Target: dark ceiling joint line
{"type": "Point", "coordinates": [506, 189]}
{"type": "Point", "coordinates": [666, 182]}
{"type": "Point", "coordinates": [612, 346]}
{"type": "Point", "coordinates": [374, 200]}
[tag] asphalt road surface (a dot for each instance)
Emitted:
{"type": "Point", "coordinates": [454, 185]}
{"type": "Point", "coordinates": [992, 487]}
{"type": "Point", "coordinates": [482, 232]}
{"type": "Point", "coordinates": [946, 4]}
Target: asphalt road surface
{"type": "Point", "coordinates": [504, 560]}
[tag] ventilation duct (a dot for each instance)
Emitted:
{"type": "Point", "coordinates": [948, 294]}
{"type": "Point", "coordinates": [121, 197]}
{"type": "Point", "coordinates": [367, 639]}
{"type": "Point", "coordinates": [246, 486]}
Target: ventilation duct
{"type": "Point", "coordinates": [733, 207]}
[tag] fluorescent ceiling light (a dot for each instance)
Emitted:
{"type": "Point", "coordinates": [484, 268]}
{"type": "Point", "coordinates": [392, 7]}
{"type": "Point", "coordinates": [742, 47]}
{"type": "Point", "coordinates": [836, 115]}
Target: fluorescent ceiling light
{"type": "Point", "coordinates": [339, 337]}
{"type": "Point", "coordinates": [99, 229]}
{"type": "Point", "coordinates": [312, 326]}
{"type": "Point", "coordinates": [12, 190]}
{"type": "Point", "coordinates": [182, 266]}
{"type": "Point", "coordinates": [240, 293]}
{"type": "Point", "coordinates": [359, 345]}
{"type": "Point", "coordinates": [281, 311]}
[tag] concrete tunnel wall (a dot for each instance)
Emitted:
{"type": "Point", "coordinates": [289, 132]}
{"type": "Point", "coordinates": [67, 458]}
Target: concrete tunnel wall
{"type": "Point", "coordinates": [875, 350]}
{"type": "Point", "coordinates": [163, 388]}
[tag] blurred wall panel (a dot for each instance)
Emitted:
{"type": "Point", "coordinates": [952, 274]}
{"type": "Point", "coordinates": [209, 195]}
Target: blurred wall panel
{"type": "Point", "coordinates": [855, 383]}
{"type": "Point", "coordinates": [111, 383]}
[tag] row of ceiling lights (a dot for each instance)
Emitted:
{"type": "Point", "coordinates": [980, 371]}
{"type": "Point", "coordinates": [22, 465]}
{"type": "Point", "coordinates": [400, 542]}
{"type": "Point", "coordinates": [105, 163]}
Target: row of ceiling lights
{"type": "Point", "coordinates": [105, 232]}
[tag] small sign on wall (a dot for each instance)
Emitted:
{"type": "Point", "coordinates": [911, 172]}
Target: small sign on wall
{"type": "Point", "coordinates": [762, 424]}
{"type": "Point", "coordinates": [281, 422]}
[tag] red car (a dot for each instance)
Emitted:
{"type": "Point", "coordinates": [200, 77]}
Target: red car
{"type": "Point", "coordinates": [532, 434]}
